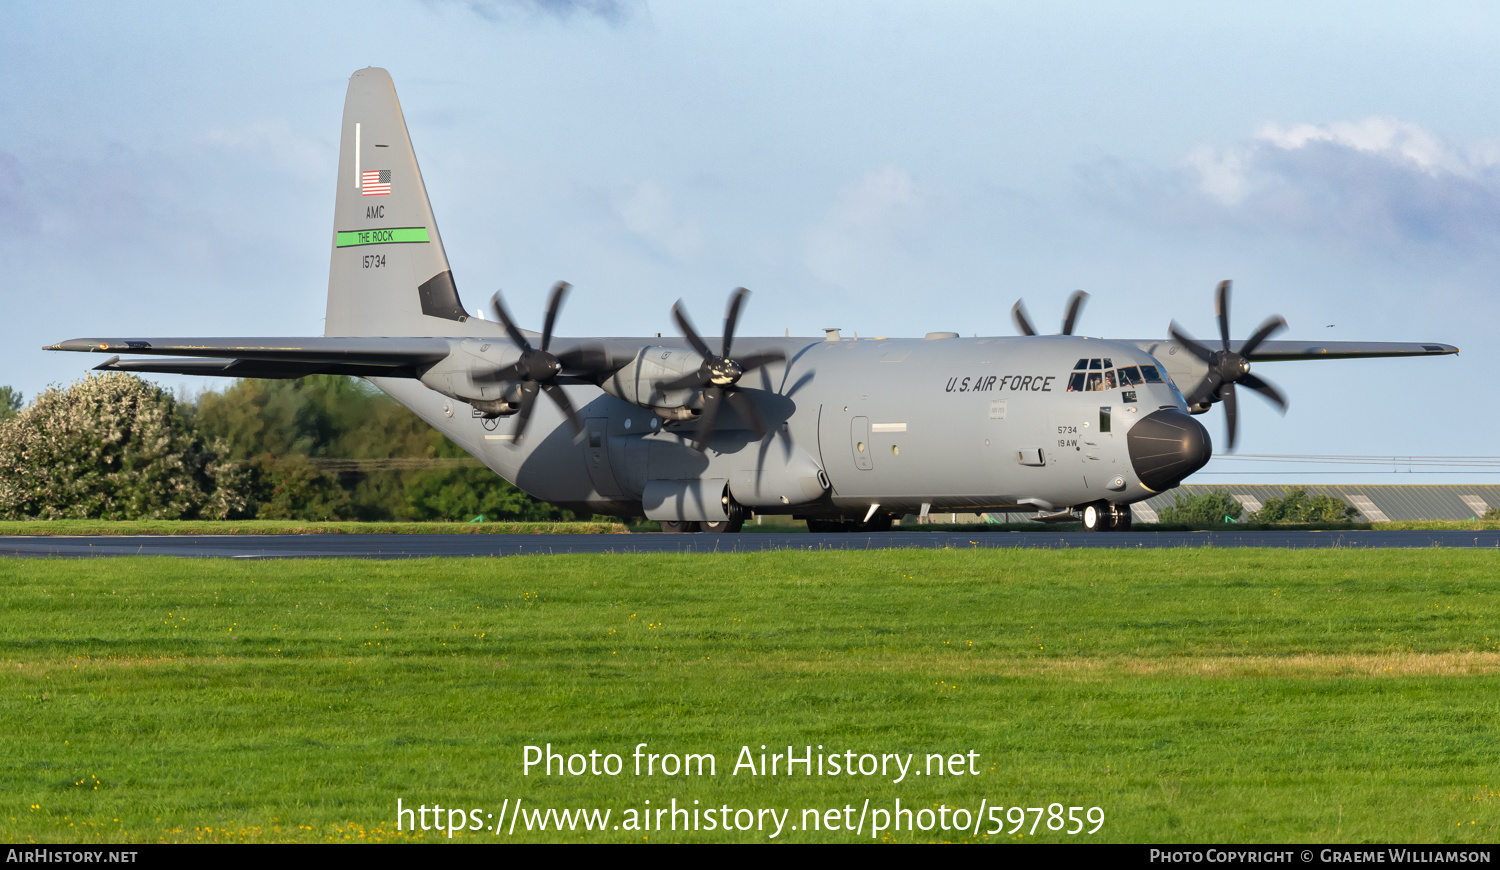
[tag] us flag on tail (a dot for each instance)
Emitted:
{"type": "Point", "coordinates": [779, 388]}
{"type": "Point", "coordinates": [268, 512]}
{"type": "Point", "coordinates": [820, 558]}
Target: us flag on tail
{"type": "Point", "coordinates": [375, 182]}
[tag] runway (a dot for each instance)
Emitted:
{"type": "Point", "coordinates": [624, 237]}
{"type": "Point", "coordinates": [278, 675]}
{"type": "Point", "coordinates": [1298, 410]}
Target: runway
{"type": "Point", "coordinates": [422, 546]}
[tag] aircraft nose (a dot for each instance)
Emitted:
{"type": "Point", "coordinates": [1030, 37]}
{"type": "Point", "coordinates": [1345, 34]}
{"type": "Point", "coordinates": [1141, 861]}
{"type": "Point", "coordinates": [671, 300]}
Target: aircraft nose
{"type": "Point", "coordinates": [1166, 447]}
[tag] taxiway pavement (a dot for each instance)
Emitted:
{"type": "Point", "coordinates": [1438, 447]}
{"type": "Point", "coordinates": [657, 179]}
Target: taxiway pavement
{"type": "Point", "coordinates": [472, 545]}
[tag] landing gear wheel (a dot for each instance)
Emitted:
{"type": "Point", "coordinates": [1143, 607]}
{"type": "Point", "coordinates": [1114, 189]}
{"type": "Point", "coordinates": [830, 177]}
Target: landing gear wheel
{"type": "Point", "coordinates": [1121, 519]}
{"type": "Point", "coordinates": [878, 523]}
{"type": "Point", "coordinates": [1096, 517]}
{"type": "Point", "coordinates": [677, 527]}
{"type": "Point", "coordinates": [730, 526]}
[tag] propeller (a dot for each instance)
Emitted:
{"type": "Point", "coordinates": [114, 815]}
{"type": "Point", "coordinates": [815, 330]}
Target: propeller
{"type": "Point", "coordinates": [538, 367]}
{"type": "Point", "coordinates": [720, 373]}
{"type": "Point", "coordinates": [1226, 367]}
{"type": "Point", "coordinates": [1075, 305]}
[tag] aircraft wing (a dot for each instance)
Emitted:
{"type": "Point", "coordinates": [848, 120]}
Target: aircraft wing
{"type": "Point", "coordinates": [1283, 351]}
{"type": "Point", "coordinates": [1278, 351]}
{"type": "Point", "coordinates": [267, 357]}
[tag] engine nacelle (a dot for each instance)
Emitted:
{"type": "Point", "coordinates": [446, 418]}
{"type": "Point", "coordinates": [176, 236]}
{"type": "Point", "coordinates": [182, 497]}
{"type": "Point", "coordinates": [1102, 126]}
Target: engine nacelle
{"type": "Point", "coordinates": [454, 376]}
{"type": "Point", "coordinates": [636, 381]}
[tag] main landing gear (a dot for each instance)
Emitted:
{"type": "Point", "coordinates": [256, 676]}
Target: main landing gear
{"type": "Point", "coordinates": [1101, 516]}
{"type": "Point", "coordinates": [733, 524]}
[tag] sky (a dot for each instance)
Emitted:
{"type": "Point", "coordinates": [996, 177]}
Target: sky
{"type": "Point", "coordinates": [890, 169]}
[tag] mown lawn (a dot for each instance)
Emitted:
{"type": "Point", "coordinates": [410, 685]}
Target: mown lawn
{"type": "Point", "coordinates": [1192, 695]}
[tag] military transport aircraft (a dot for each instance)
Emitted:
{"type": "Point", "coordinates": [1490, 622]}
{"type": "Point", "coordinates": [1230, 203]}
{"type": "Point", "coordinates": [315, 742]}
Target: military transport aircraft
{"type": "Point", "coordinates": [698, 434]}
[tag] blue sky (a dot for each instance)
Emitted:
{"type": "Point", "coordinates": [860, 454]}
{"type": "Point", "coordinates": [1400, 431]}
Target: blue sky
{"type": "Point", "coordinates": [168, 169]}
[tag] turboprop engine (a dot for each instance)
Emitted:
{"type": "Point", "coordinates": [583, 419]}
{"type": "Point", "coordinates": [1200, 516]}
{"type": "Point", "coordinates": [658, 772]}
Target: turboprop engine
{"type": "Point", "coordinates": [640, 382]}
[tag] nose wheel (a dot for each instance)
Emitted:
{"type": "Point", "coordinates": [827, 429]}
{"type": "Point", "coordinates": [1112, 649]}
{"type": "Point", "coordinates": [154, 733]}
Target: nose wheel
{"type": "Point", "coordinates": [1102, 516]}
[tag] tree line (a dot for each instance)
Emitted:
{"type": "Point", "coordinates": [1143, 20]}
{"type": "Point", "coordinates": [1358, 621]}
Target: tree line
{"type": "Point", "coordinates": [115, 446]}
{"type": "Point", "coordinates": [1296, 505]}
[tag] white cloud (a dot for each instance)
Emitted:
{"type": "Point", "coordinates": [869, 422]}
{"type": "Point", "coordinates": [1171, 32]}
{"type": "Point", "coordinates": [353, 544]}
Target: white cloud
{"type": "Point", "coordinates": [1374, 185]}
{"type": "Point", "coordinates": [612, 11]}
{"type": "Point", "coordinates": [1394, 140]}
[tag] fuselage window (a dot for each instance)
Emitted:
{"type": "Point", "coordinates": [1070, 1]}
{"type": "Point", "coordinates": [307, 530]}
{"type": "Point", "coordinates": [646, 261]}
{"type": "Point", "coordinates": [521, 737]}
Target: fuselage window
{"type": "Point", "coordinates": [1130, 376]}
{"type": "Point", "coordinates": [1082, 364]}
{"type": "Point", "coordinates": [1075, 383]}
{"type": "Point", "coordinates": [1095, 364]}
{"type": "Point", "coordinates": [1109, 379]}
{"type": "Point", "coordinates": [1096, 382]}
{"type": "Point", "coordinates": [1151, 375]}
{"type": "Point", "coordinates": [1109, 363]}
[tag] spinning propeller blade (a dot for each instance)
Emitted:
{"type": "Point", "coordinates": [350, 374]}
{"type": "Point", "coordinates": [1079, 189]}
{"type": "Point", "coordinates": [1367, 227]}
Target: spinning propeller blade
{"type": "Point", "coordinates": [537, 369]}
{"type": "Point", "coordinates": [1070, 316]}
{"type": "Point", "coordinates": [1227, 367]}
{"type": "Point", "coordinates": [719, 374]}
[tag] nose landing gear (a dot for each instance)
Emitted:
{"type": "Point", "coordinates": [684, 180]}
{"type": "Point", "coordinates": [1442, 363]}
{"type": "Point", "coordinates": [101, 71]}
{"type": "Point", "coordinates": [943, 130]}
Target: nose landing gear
{"type": "Point", "coordinates": [1101, 516]}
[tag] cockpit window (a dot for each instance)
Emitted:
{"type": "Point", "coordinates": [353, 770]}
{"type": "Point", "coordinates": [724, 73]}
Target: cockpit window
{"type": "Point", "coordinates": [1098, 375]}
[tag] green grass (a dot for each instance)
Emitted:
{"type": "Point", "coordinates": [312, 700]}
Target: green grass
{"type": "Point", "coordinates": [294, 527]}
{"type": "Point", "coordinates": [1194, 695]}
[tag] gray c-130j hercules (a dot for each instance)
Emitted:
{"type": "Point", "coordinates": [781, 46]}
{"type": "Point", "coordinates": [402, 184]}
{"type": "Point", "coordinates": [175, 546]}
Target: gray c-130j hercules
{"type": "Point", "coordinates": [697, 434]}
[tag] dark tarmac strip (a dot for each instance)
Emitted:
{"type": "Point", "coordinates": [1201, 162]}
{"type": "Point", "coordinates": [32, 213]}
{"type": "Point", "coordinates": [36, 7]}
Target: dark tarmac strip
{"type": "Point", "coordinates": [416, 546]}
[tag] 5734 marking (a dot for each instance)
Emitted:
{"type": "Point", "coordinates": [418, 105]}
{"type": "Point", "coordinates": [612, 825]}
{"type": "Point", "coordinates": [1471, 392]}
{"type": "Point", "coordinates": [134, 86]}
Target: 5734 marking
{"type": "Point", "coordinates": [374, 261]}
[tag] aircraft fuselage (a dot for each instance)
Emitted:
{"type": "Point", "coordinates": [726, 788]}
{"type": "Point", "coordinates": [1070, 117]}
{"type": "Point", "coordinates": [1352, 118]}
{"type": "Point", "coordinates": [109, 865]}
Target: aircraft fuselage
{"type": "Point", "coordinates": [952, 424]}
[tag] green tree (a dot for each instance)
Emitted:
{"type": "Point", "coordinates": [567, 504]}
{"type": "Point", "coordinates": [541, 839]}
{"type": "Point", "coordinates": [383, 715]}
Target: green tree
{"type": "Point", "coordinates": [279, 430]}
{"type": "Point", "coordinates": [1209, 508]}
{"type": "Point", "coordinates": [10, 402]}
{"type": "Point", "coordinates": [110, 446]}
{"type": "Point", "coordinates": [1298, 506]}
{"type": "Point", "coordinates": [292, 488]}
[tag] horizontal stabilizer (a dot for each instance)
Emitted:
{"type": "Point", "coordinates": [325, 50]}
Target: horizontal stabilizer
{"type": "Point", "coordinates": [240, 368]}
{"type": "Point", "coordinates": [295, 356]}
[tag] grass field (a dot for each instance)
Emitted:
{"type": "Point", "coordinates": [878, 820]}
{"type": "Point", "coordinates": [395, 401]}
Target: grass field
{"type": "Point", "coordinates": [1192, 695]}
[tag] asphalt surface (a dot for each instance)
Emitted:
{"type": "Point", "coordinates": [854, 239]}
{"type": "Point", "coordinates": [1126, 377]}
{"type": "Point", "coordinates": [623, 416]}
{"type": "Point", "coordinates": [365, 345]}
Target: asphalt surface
{"type": "Point", "coordinates": [415, 546]}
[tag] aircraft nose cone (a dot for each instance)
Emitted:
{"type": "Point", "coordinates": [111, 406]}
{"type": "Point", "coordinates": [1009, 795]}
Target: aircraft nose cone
{"type": "Point", "coordinates": [1166, 447]}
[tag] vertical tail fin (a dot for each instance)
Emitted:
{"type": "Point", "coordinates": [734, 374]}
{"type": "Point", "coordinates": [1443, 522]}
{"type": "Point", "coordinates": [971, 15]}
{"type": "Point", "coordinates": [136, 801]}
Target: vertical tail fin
{"type": "Point", "coordinates": [389, 274]}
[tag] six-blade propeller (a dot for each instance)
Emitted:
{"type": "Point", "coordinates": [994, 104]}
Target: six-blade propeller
{"type": "Point", "coordinates": [1227, 367]}
{"type": "Point", "coordinates": [718, 376]}
{"type": "Point", "coordinates": [538, 367]}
